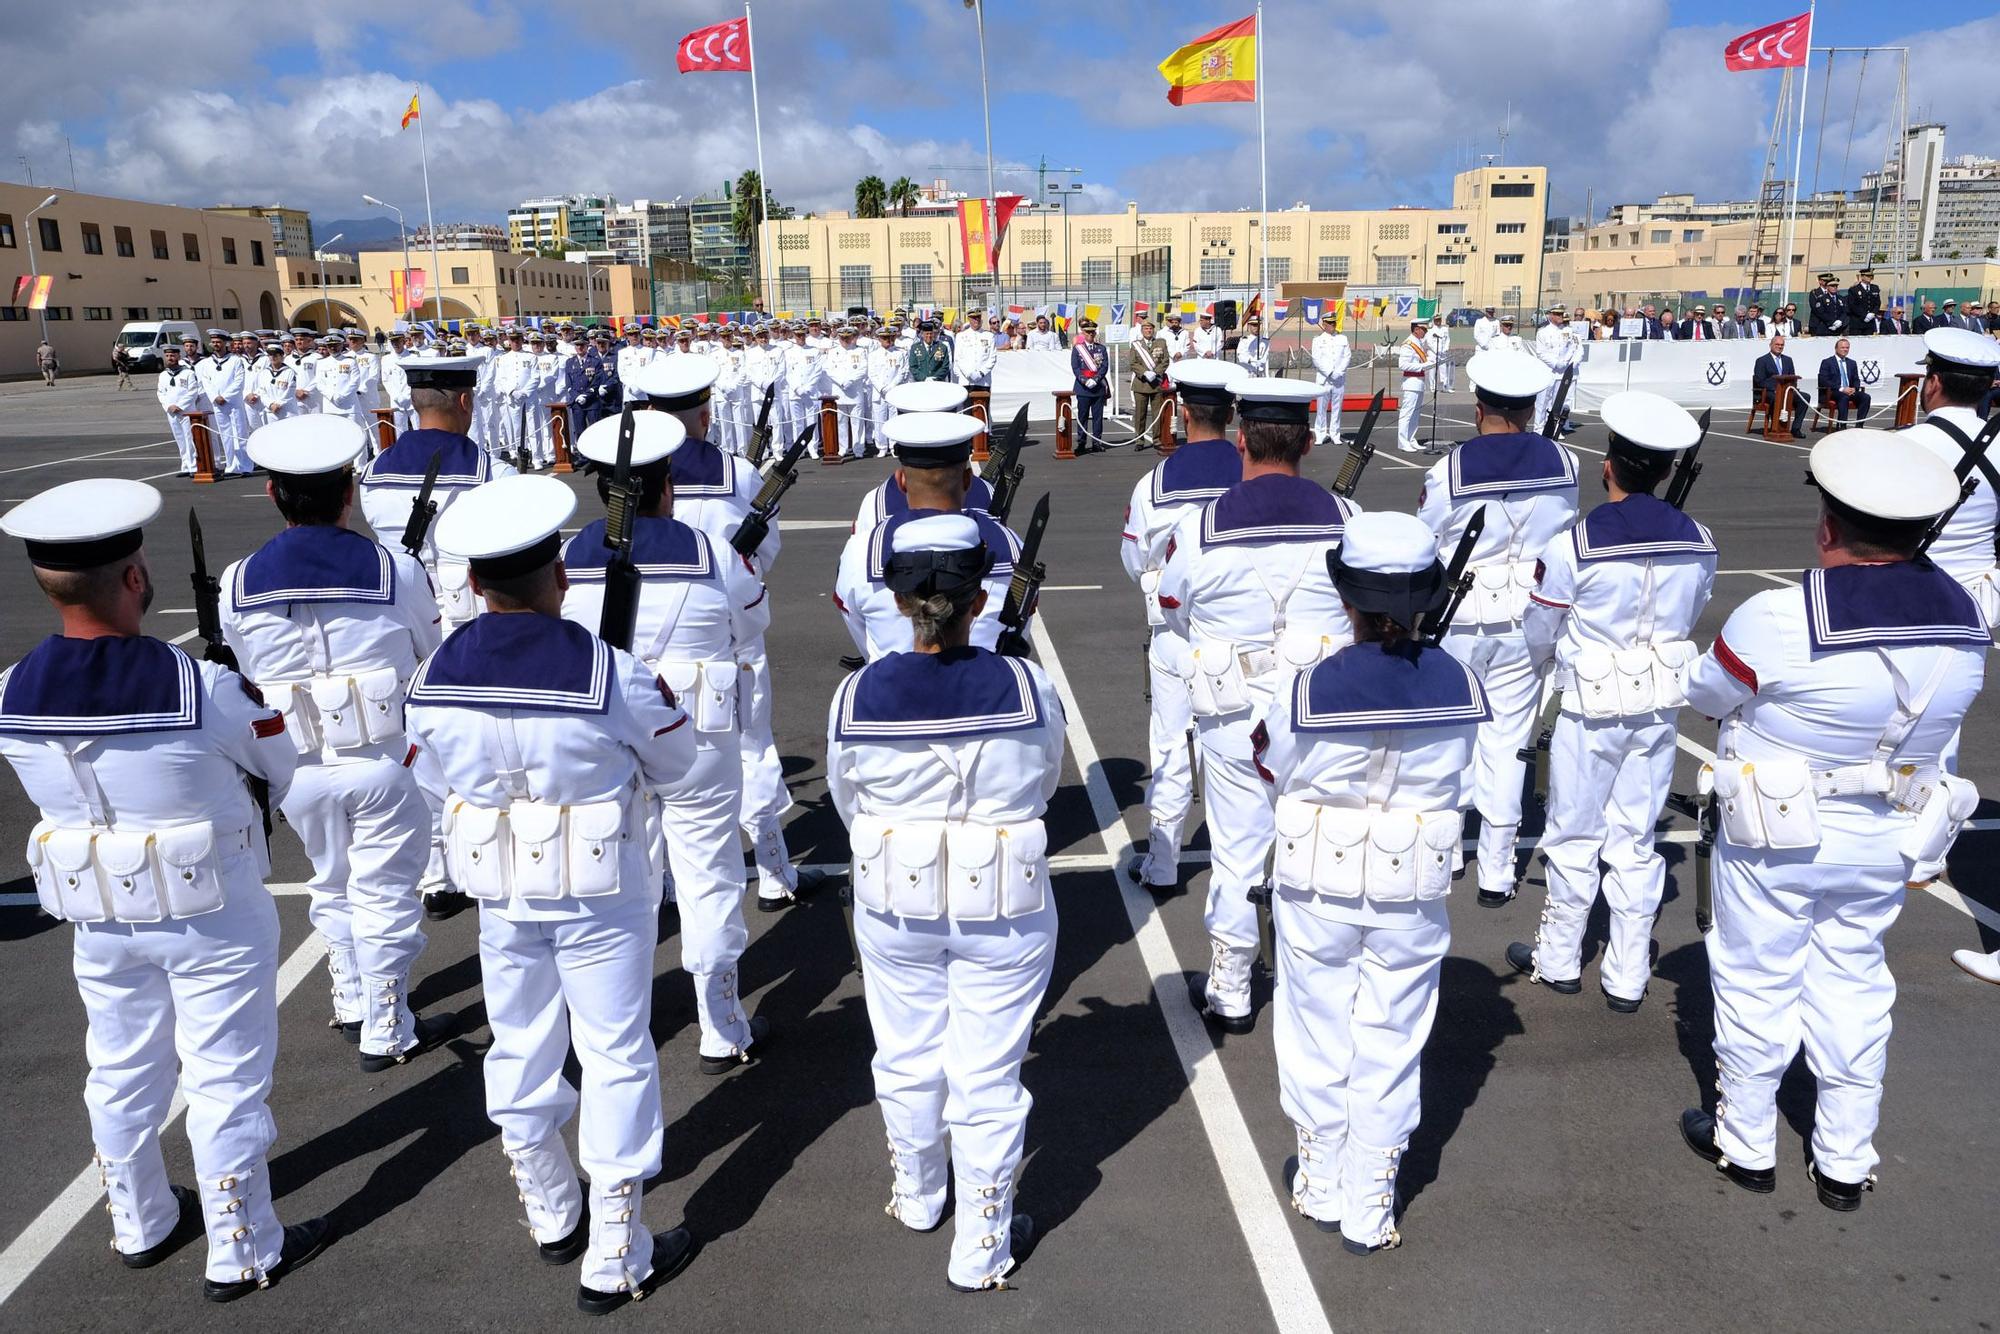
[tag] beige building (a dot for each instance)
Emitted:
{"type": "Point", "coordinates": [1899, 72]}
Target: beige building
{"type": "Point", "coordinates": [482, 285]}
{"type": "Point", "coordinates": [291, 228]}
{"type": "Point", "coordinates": [1487, 247]}
{"type": "Point", "coordinates": [118, 260]}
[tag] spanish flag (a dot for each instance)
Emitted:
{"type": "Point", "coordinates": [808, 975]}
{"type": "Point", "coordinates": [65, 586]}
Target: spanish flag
{"type": "Point", "coordinates": [411, 114]}
{"type": "Point", "coordinates": [1220, 66]}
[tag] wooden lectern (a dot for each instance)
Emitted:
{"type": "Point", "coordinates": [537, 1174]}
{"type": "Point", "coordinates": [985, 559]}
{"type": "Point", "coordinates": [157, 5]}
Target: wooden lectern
{"type": "Point", "coordinates": [1907, 394]}
{"type": "Point", "coordinates": [559, 432]}
{"type": "Point", "coordinates": [829, 430]}
{"type": "Point", "coordinates": [979, 402]}
{"type": "Point", "coordinates": [1777, 409]}
{"type": "Point", "coordinates": [1065, 423]}
{"type": "Point", "coordinates": [204, 446]}
{"type": "Point", "coordinates": [385, 428]}
{"type": "Point", "coordinates": [1168, 440]}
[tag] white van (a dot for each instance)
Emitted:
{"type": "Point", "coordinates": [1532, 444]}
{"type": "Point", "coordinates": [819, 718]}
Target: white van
{"type": "Point", "coordinates": [143, 339]}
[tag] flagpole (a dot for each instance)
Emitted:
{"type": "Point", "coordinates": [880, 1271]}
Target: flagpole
{"type": "Point", "coordinates": [1799, 153]}
{"type": "Point", "coordinates": [763, 182]}
{"type": "Point", "coordinates": [430, 219]}
{"type": "Point", "coordinates": [1263, 181]}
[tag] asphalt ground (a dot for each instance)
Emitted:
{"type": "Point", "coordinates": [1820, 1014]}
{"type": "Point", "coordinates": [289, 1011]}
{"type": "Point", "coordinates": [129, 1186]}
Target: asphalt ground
{"type": "Point", "coordinates": [1546, 1188]}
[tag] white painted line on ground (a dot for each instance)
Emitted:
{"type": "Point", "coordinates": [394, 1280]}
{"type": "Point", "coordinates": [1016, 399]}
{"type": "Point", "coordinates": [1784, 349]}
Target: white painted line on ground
{"type": "Point", "coordinates": [1281, 1270]}
{"type": "Point", "coordinates": [1072, 588]}
{"type": "Point", "coordinates": [79, 1199]}
{"type": "Point", "coordinates": [800, 525]}
{"type": "Point", "coordinates": [101, 454]}
{"type": "Point", "coordinates": [183, 638]}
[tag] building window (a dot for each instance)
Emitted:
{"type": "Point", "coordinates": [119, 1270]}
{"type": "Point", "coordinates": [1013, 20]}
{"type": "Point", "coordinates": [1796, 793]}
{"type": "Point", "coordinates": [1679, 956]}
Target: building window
{"type": "Point", "coordinates": [202, 313]}
{"type": "Point", "coordinates": [1661, 236]}
{"type": "Point", "coordinates": [13, 314]}
{"type": "Point", "coordinates": [1510, 296]}
{"type": "Point", "coordinates": [857, 285]}
{"type": "Point", "coordinates": [51, 235]}
{"type": "Point", "coordinates": [93, 239]}
{"type": "Point", "coordinates": [916, 284]}
{"type": "Point", "coordinates": [1689, 235]}
{"type": "Point", "coordinates": [135, 313]}
{"type": "Point", "coordinates": [228, 250]}
{"type": "Point", "coordinates": [1520, 229]}
{"type": "Point", "coordinates": [230, 315]}
{"type": "Point", "coordinates": [1216, 272]}
{"type": "Point", "coordinates": [122, 238]}
{"type": "Point", "coordinates": [1393, 231]}
{"type": "Point", "coordinates": [461, 275]}
{"type": "Point", "coordinates": [1037, 273]}
{"type": "Point", "coordinates": [1451, 229]}
{"type": "Point", "coordinates": [1280, 267]}
{"type": "Point", "coordinates": [1333, 268]}
{"type": "Point", "coordinates": [57, 312]}
{"type": "Point", "coordinates": [7, 241]}
{"type": "Point", "coordinates": [1097, 272]}
{"type": "Point", "coordinates": [1393, 270]}
{"type": "Point", "coordinates": [159, 245]}
{"type": "Point", "coordinates": [257, 253]}
{"type": "Point", "coordinates": [1451, 259]}
{"type": "Point", "coordinates": [1513, 190]}
{"type": "Point", "coordinates": [97, 312]}
{"type": "Point", "coordinates": [170, 312]}
{"type": "Point", "coordinates": [795, 288]}
{"type": "Point", "coordinates": [1509, 259]}
{"type": "Point", "coordinates": [191, 246]}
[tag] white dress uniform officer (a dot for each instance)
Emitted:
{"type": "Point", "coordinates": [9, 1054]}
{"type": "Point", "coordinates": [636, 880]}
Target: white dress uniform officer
{"type": "Point", "coordinates": [1484, 330]}
{"type": "Point", "coordinates": [1526, 483]}
{"type": "Point", "coordinates": [136, 756]}
{"type": "Point", "coordinates": [1253, 350]}
{"type": "Point", "coordinates": [933, 450]}
{"type": "Point", "coordinates": [180, 393]}
{"type": "Point", "coordinates": [941, 761]}
{"type": "Point", "coordinates": [735, 418]}
{"type": "Point", "coordinates": [888, 369]}
{"type": "Point", "coordinates": [700, 611]}
{"type": "Point", "coordinates": [1614, 606]}
{"type": "Point", "coordinates": [396, 388]}
{"type": "Point", "coordinates": [1204, 467]}
{"type": "Point", "coordinates": [1414, 365]}
{"type": "Point", "coordinates": [847, 380]}
{"type": "Point", "coordinates": [225, 379]}
{"type": "Point", "coordinates": [915, 396]}
{"type": "Point", "coordinates": [551, 745]}
{"type": "Point", "coordinates": [633, 356]}
{"type": "Point", "coordinates": [1245, 584]}
{"type": "Point", "coordinates": [1438, 338]}
{"type": "Point", "coordinates": [1366, 753]}
{"type": "Point", "coordinates": [1330, 358]}
{"type": "Point", "coordinates": [1835, 700]}
{"type": "Point", "coordinates": [269, 394]}
{"type": "Point", "coordinates": [973, 354]}
{"type": "Point", "coordinates": [330, 626]}
{"type": "Point", "coordinates": [367, 383]}
{"type": "Point", "coordinates": [1557, 349]}
{"type": "Point", "coordinates": [805, 380]}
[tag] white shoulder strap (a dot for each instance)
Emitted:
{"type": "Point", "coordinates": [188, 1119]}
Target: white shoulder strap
{"type": "Point", "coordinates": [1909, 708]}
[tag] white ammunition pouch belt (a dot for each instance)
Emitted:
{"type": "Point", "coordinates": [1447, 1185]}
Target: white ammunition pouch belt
{"type": "Point", "coordinates": [706, 691]}
{"type": "Point", "coordinates": [1223, 671]}
{"type": "Point", "coordinates": [131, 875]}
{"type": "Point", "coordinates": [928, 869]}
{"type": "Point", "coordinates": [1985, 590]}
{"type": "Point", "coordinates": [457, 603]}
{"type": "Point", "coordinates": [540, 850]}
{"type": "Point", "coordinates": [1628, 682]}
{"type": "Point", "coordinates": [1500, 589]}
{"type": "Point", "coordinates": [1149, 587]}
{"type": "Point", "coordinates": [333, 712]}
{"type": "Point", "coordinates": [1336, 852]}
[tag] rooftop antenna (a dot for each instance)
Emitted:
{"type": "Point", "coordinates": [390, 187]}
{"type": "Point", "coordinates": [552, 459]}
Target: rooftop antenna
{"type": "Point", "coordinates": [1505, 127]}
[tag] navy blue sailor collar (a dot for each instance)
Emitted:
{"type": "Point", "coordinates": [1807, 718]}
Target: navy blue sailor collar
{"type": "Point", "coordinates": [101, 687]}
{"type": "Point", "coordinates": [462, 463]}
{"type": "Point", "coordinates": [1900, 605]}
{"type": "Point", "coordinates": [998, 540]}
{"type": "Point", "coordinates": [1636, 527]}
{"type": "Point", "coordinates": [896, 501]}
{"type": "Point", "coordinates": [932, 696]}
{"type": "Point", "coordinates": [1197, 473]}
{"type": "Point", "coordinates": [662, 548]}
{"type": "Point", "coordinates": [315, 563]}
{"type": "Point", "coordinates": [1274, 508]}
{"type": "Point", "coordinates": [1514, 461]}
{"type": "Point", "coordinates": [1374, 687]}
{"type": "Point", "coordinates": [518, 660]}
{"type": "Point", "coordinates": [700, 469]}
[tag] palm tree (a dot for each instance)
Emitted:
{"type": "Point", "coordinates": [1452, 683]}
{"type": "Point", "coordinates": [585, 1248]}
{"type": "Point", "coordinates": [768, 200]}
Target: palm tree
{"type": "Point", "coordinates": [747, 215]}
{"type": "Point", "coordinates": [869, 193]}
{"type": "Point", "coordinates": [903, 196]}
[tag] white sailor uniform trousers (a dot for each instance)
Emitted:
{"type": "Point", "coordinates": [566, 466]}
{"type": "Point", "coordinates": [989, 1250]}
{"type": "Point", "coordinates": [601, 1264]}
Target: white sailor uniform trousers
{"type": "Point", "coordinates": [699, 606]}
{"type": "Point", "coordinates": [336, 661]}
{"type": "Point", "coordinates": [804, 383]}
{"type": "Point", "coordinates": [538, 720]}
{"type": "Point", "coordinates": [1829, 689]}
{"type": "Point", "coordinates": [1246, 584]}
{"type": "Point", "coordinates": [1616, 602]}
{"type": "Point", "coordinates": [149, 842]}
{"type": "Point", "coordinates": [955, 922]}
{"type": "Point", "coordinates": [181, 388]}
{"type": "Point", "coordinates": [1196, 473]}
{"type": "Point", "coordinates": [225, 381]}
{"type": "Point", "coordinates": [886, 369]}
{"type": "Point", "coordinates": [1527, 485]}
{"type": "Point", "coordinates": [1368, 817]}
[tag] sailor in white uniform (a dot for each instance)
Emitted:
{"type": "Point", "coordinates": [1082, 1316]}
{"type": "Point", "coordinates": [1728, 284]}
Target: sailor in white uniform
{"type": "Point", "coordinates": [1835, 698]}
{"type": "Point", "coordinates": [1204, 467]}
{"type": "Point", "coordinates": [1526, 484]}
{"type": "Point", "coordinates": [973, 354]}
{"type": "Point", "coordinates": [1614, 609]}
{"type": "Point", "coordinates": [941, 761]}
{"type": "Point", "coordinates": [1366, 753]}
{"type": "Point", "coordinates": [1959, 367]}
{"type": "Point", "coordinates": [1415, 364]}
{"type": "Point", "coordinates": [1245, 583]}
{"type": "Point", "coordinates": [225, 379]}
{"type": "Point", "coordinates": [180, 393]}
{"type": "Point", "coordinates": [1253, 350]}
{"type": "Point", "coordinates": [914, 396]}
{"type": "Point", "coordinates": [136, 756]}
{"type": "Point", "coordinates": [551, 745]}
{"type": "Point", "coordinates": [701, 610]}
{"type": "Point", "coordinates": [1330, 357]}
{"type": "Point", "coordinates": [933, 472]}
{"type": "Point", "coordinates": [888, 370]}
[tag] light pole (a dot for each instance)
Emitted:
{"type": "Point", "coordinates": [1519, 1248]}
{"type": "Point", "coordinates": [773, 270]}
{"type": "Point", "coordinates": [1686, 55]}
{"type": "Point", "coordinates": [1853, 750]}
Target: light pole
{"type": "Point", "coordinates": [325, 307]}
{"type": "Point", "coordinates": [517, 284]}
{"type": "Point", "coordinates": [985, 107]}
{"type": "Point", "coordinates": [405, 237]}
{"type": "Point", "coordinates": [590, 289]}
{"type": "Point", "coordinates": [34, 270]}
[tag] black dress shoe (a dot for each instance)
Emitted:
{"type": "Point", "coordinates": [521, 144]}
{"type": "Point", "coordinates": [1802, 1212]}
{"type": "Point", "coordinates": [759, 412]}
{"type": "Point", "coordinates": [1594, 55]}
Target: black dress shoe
{"type": "Point", "coordinates": [565, 1250]}
{"type": "Point", "coordinates": [445, 904]}
{"type": "Point", "coordinates": [349, 1030]}
{"type": "Point", "coordinates": [672, 1250]}
{"type": "Point", "coordinates": [185, 1229]}
{"type": "Point", "coordinates": [1021, 1238]}
{"type": "Point", "coordinates": [760, 1029]}
{"type": "Point", "coordinates": [810, 879]}
{"type": "Point", "coordinates": [1840, 1196]}
{"type": "Point", "coordinates": [1698, 1129]}
{"type": "Point", "coordinates": [1237, 1024]}
{"type": "Point", "coordinates": [1498, 898]}
{"type": "Point", "coordinates": [1289, 1174]}
{"type": "Point", "coordinates": [303, 1241]}
{"type": "Point", "coordinates": [429, 1033]}
{"type": "Point", "coordinates": [1620, 1005]}
{"type": "Point", "coordinates": [1522, 957]}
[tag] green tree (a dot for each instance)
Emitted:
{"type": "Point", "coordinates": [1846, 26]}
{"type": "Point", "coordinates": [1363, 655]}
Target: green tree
{"type": "Point", "coordinates": [752, 208]}
{"type": "Point", "coordinates": [869, 195]}
{"type": "Point", "coordinates": [903, 196]}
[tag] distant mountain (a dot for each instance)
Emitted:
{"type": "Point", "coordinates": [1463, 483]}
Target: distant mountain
{"type": "Point", "coordinates": [371, 233]}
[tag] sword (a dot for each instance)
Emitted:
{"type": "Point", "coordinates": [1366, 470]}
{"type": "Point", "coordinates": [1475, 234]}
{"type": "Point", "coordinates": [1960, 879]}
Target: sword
{"type": "Point", "coordinates": [1359, 452]}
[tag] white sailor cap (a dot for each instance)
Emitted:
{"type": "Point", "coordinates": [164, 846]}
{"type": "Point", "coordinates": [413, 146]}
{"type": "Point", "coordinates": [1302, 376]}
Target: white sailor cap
{"type": "Point", "coordinates": [1506, 379]}
{"type": "Point", "coordinates": [508, 526]}
{"type": "Point", "coordinates": [1269, 399]}
{"type": "Point", "coordinates": [1963, 348]}
{"type": "Point", "coordinates": [442, 372]}
{"type": "Point", "coordinates": [1647, 421]}
{"type": "Point", "coordinates": [933, 439]}
{"type": "Point", "coordinates": [675, 384]}
{"type": "Point", "coordinates": [927, 396]}
{"type": "Point", "coordinates": [1206, 380]}
{"type": "Point", "coordinates": [1387, 563]}
{"type": "Point", "coordinates": [306, 446]}
{"type": "Point", "coordinates": [655, 435]}
{"type": "Point", "coordinates": [218, 333]}
{"type": "Point", "coordinates": [1883, 474]}
{"type": "Point", "coordinates": [939, 553]}
{"type": "Point", "coordinates": [83, 525]}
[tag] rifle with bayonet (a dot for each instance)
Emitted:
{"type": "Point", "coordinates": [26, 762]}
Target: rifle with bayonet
{"type": "Point", "coordinates": [616, 623]}
{"type": "Point", "coordinates": [1972, 456]}
{"type": "Point", "coordinates": [424, 508]}
{"type": "Point", "coordinates": [1702, 811]}
{"type": "Point", "coordinates": [764, 506]}
{"type": "Point", "coordinates": [760, 434]}
{"type": "Point", "coordinates": [1358, 453]}
{"type": "Point", "coordinates": [1553, 422]}
{"type": "Point", "coordinates": [1689, 467]}
{"type": "Point", "coordinates": [208, 624]}
{"type": "Point", "coordinates": [1004, 470]}
{"type": "Point", "coordinates": [1025, 586]}
{"type": "Point", "coordinates": [1457, 582]}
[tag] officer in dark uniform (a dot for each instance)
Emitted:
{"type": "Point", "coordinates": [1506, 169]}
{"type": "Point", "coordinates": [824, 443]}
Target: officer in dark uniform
{"type": "Point", "coordinates": [609, 392]}
{"type": "Point", "coordinates": [1864, 305]}
{"type": "Point", "coordinates": [930, 355]}
{"type": "Point", "coordinates": [1827, 310]}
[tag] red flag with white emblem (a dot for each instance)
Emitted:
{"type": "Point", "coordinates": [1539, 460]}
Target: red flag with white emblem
{"type": "Point", "coordinates": [720, 49]}
{"type": "Point", "coordinates": [1772, 47]}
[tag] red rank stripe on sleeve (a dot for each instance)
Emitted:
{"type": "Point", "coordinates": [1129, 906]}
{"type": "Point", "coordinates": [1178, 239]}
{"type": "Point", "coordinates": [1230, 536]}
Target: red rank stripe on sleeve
{"type": "Point", "coordinates": [1734, 665]}
{"type": "Point", "coordinates": [264, 728]}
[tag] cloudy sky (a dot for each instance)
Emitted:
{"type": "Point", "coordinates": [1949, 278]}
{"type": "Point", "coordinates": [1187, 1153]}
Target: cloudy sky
{"type": "Point", "coordinates": [1371, 102]}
